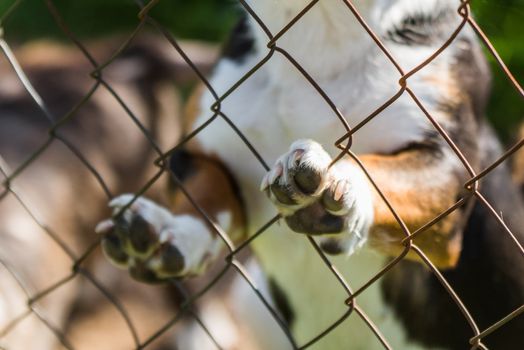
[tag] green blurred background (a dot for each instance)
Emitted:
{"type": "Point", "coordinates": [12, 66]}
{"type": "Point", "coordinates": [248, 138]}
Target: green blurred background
{"type": "Point", "coordinates": [210, 20]}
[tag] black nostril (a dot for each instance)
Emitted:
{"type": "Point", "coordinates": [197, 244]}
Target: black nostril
{"type": "Point", "coordinates": [330, 203]}
{"type": "Point", "coordinates": [307, 179]}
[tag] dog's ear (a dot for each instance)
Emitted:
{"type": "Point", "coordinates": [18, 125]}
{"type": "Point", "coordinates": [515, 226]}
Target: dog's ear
{"type": "Point", "coordinates": [152, 58]}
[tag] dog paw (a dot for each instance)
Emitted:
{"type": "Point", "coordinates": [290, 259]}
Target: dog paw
{"type": "Point", "coordinates": [298, 177]}
{"type": "Point", "coordinates": [153, 243]}
{"type": "Point", "coordinates": [317, 199]}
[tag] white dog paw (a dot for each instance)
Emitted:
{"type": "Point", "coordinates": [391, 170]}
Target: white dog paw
{"type": "Point", "coordinates": [317, 199]}
{"type": "Point", "coordinates": [153, 243]}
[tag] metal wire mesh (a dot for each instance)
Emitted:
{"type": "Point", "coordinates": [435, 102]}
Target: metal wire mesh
{"type": "Point", "coordinates": [232, 263]}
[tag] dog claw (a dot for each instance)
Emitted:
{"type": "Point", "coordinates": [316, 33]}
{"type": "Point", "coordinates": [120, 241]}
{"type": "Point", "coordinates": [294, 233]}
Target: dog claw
{"type": "Point", "coordinates": [104, 227]}
{"type": "Point", "coordinates": [265, 183]}
{"type": "Point", "coordinates": [276, 173]}
{"type": "Point", "coordinates": [341, 188]}
{"type": "Point", "coordinates": [294, 160]}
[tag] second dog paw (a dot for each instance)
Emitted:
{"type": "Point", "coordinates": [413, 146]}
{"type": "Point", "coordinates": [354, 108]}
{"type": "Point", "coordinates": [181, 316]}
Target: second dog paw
{"type": "Point", "coordinates": [153, 243]}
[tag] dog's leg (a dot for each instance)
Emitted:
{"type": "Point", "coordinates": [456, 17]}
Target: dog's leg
{"type": "Point", "coordinates": [156, 244]}
{"type": "Point", "coordinates": [340, 203]}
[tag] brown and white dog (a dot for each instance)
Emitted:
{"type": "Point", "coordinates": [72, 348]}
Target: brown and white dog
{"type": "Point", "coordinates": [290, 125]}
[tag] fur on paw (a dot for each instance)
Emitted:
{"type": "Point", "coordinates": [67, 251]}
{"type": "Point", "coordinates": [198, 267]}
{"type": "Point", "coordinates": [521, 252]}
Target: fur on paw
{"type": "Point", "coordinates": [153, 243]}
{"type": "Point", "coordinates": [317, 199]}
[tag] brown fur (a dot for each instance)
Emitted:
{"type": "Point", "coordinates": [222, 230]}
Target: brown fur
{"type": "Point", "coordinates": [212, 189]}
{"type": "Point", "coordinates": [408, 182]}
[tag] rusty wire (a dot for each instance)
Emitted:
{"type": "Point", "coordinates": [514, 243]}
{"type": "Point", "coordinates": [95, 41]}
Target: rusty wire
{"type": "Point", "coordinates": [348, 306]}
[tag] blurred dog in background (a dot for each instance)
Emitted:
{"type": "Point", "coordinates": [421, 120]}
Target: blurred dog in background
{"type": "Point", "coordinates": [66, 197]}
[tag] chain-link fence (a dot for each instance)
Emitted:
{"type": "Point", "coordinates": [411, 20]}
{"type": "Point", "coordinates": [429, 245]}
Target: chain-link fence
{"type": "Point", "coordinates": [57, 133]}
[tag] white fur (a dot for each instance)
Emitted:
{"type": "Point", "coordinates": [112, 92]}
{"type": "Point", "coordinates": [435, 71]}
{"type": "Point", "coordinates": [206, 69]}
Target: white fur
{"type": "Point", "coordinates": [188, 233]}
{"type": "Point", "coordinates": [277, 106]}
{"type": "Point", "coordinates": [358, 202]}
{"type": "Point", "coordinates": [149, 210]}
{"type": "Point", "coordinates": [192, 238]}
{"type": "Point", "coordinates": [222, 327]}
{"type": "Point", "coordinates": [277, 100]}
{"type": "Point", "coordinates": [252, 314]}
{"type": "Point", "coordinates": [388, 12]}
{"type": "Point", "coordinates": [224, 220]}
